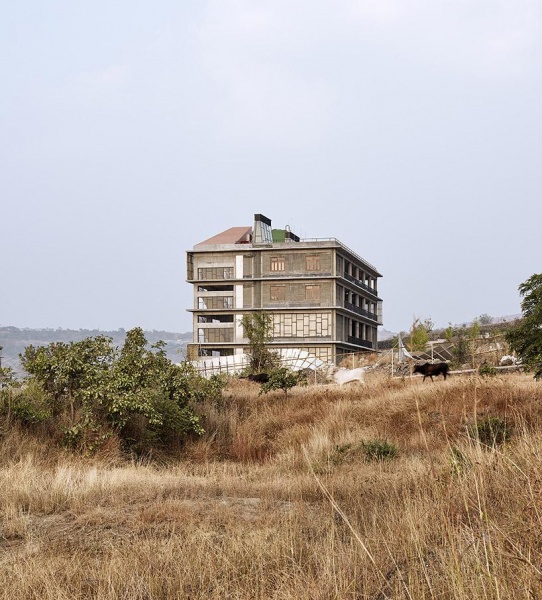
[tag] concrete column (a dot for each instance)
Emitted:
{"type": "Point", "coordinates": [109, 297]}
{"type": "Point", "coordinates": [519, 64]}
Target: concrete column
{"type": "Point", "coordinates": [239, 295]}
{"type": "Point", "coordinates": [238, 267]}
{"type": "Point", "coordinates": [238, 333]}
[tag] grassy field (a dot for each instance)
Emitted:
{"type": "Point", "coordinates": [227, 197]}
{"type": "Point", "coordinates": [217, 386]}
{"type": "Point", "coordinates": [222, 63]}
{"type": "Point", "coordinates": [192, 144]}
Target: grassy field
{"type": "Point", "coordinates": [395, 489]}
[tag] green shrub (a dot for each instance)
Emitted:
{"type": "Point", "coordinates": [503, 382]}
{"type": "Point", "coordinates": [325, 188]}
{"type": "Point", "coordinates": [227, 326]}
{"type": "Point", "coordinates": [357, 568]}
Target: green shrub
{"type": "Point", "coordinates": [378, 450]}
{"type": "Point", "coordinates": [280, 379]}
{"type": "Point", "coordinates": [73, 436]}
{"type": "Point", "coordinates": [491, 431]}
{"type": "Point", "coordinates": [93, 391]}
{"type": "Point", "coordinates": [373, 450]}
{"type": "Point", "coordinates": [28, 413]}
{"type": "Point", "coordinates": [487, 370]}
{"type": "Point", "coordinates": [27, 405]}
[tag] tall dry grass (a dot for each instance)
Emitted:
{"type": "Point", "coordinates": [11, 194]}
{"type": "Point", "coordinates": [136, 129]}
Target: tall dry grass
{"type": "Point", "coordinates": [278, 500]}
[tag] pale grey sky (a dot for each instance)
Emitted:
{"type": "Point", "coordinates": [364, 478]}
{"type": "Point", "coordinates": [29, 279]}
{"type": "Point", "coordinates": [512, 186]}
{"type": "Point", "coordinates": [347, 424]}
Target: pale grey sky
{"type": "Point", "coordinates": [410, 130]}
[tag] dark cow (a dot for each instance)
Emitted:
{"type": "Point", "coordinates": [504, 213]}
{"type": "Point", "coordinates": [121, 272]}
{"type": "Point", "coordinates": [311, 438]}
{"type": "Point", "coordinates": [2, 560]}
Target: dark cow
{"type": "Point", "coordinates": [258, 377]}
{"type": "Point", "coordinates": [428, 370]}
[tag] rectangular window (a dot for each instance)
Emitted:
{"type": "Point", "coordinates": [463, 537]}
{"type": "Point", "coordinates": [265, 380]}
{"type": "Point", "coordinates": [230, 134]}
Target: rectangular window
{"type": "Point", "coordinates": [277, 263]}
{"type": "Point", "coordinates": [312, 263]}
{"type": "Point", "coordinates": [215, 273]}
{"type": "Point", "coordinates": [214, 302]}
{"type": "Point", "coordinates": [219, 352]}
{"type": "Point", "coordinates": [312, 292]}
{"type": "Point", "coordinates": [277, 292]}
{"type": "Point", "coordinates": [214, 336]}
{"type": "Point", "coordinates": [215, 319]}
{"type": "Point", "coordinates": [215, 288]}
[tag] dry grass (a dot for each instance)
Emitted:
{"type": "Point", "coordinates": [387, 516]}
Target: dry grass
{"type": "Point", "coordinates": [278, 501]}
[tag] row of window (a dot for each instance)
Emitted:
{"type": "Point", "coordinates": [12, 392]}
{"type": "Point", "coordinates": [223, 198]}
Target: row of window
{"type": "Point", "coordinates": [312, 263]}
{"type": "Point", "coordinates": [215, 273]}
{"type": "Point", "coordinates": [277, 293]}
{"type": "Point", "coordinates": [278, 264]}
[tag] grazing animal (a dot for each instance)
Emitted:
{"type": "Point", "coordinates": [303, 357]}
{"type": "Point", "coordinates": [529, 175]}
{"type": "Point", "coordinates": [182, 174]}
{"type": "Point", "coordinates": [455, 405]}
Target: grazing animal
{"type": "Point", "coordinates": [343, 376]}
{"type": "Point", "coordinates": [258, 377]}
{"type": "Point", "coordinates": [428, 370]}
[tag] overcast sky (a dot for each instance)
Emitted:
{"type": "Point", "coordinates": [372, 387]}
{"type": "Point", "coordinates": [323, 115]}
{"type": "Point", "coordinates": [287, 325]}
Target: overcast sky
{"type": "Point", "coordinates": [410, 130]}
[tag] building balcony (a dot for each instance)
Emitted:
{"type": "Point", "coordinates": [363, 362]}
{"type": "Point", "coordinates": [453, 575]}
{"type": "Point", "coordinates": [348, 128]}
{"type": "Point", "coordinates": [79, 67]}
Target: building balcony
{"type": "Point", "coordinates": [361, 311]}
{"type": "Point", "coordinates": [293, 341]}
{"type": "Point", "coordinates": [359, 342]}
{"type": "Point", "coordinates": [360, 284]}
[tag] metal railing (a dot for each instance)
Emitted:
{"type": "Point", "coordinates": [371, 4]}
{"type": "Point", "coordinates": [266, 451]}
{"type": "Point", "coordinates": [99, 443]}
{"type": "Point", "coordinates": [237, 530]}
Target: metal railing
{"type": "Point", "coordinates": [359, 342]}
{"type": "Point", "coordinates": [361, 311]}
{"type": "Point", "coordinates": [360, 283]}
{"type": "Point", "coordinates": [355, 254]}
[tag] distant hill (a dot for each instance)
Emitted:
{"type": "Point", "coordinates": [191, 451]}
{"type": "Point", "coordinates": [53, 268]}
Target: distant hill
{"type": "Point", "coordinates": [384, 334]}
{"type": "Point", "coordinates": [14, 340]}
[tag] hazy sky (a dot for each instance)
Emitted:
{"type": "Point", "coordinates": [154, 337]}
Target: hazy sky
{"type": "Point", "coordinates": [410, 130]}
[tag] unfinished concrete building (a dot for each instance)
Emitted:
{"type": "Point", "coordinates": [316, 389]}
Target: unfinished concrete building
{"type": "Point", "coordinates": [322, 296]}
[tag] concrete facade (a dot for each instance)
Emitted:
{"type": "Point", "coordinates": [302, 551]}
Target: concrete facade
{"type": "Point", "coordinates": [323, 297]}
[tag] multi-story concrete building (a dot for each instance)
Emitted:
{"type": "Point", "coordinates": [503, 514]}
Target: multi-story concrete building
{"type": "Point", "coordinates": [322, 296]}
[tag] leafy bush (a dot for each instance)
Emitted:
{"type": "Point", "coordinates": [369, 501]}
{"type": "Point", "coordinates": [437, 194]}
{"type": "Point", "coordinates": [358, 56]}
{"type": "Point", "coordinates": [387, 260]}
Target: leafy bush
{"type": "Point", "coordinates": [280, 379]}
{"type": "Point", "coordinates": [29, 412]}
{"type": "Point", "coordinates": [7, 377]}
{"type": "Point", "coordinates": [28, 406]}
{"type": "Point", "coordinates": [373, 450]}
{"type": "Point", "coordinates": [460, 350]}
{"type": "Point", "coordinates": [93, 391]}
{"type": "Point", "coordinates": [379, 450]}
{"type": "Point", "coordinates": [486, 370]}
{"type": "Point", "coordinates": [526, 338]}
{"type": "Point", "coordinates": [491, 431]}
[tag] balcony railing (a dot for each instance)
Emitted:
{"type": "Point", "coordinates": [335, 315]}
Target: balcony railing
{"type": "Point", "coordinates": [361, 311]}
{"type": "Point", "coordinates": [359, 342]}
{"type": "Point", "coordinates": [360, 283]}
{"type": "Point", "coordinates": [337, 243]}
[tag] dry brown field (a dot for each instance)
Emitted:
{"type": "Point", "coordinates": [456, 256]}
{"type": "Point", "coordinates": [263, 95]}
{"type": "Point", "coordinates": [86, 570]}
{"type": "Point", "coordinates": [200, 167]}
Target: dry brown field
{"type": "Point", "coordinates": [280, 499]}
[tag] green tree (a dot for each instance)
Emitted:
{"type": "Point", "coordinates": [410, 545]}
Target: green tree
{"type": "Point", "coordinates": [258, 328]}
{"type": "Point", "coordinates": [70, 373]}
{"type": "Point", "coordinates": [449, 332]}
{"type": "Point", "coordinates": [526, 338]}
{"type": "Point", "coordinates": [473, 335]}
{"type": "Point", "coordinates": [136, 393]}
{"type": "Point", "coordinates": [485, 319]}
{"type": "Point", "coordinates": [280, 379]}
{"type": "Point", "coordinates": [146, 385]}
{"type": "Point", "coordinates": [419, 334]}
{"type": "Point", "coordinates": [460, 349]}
